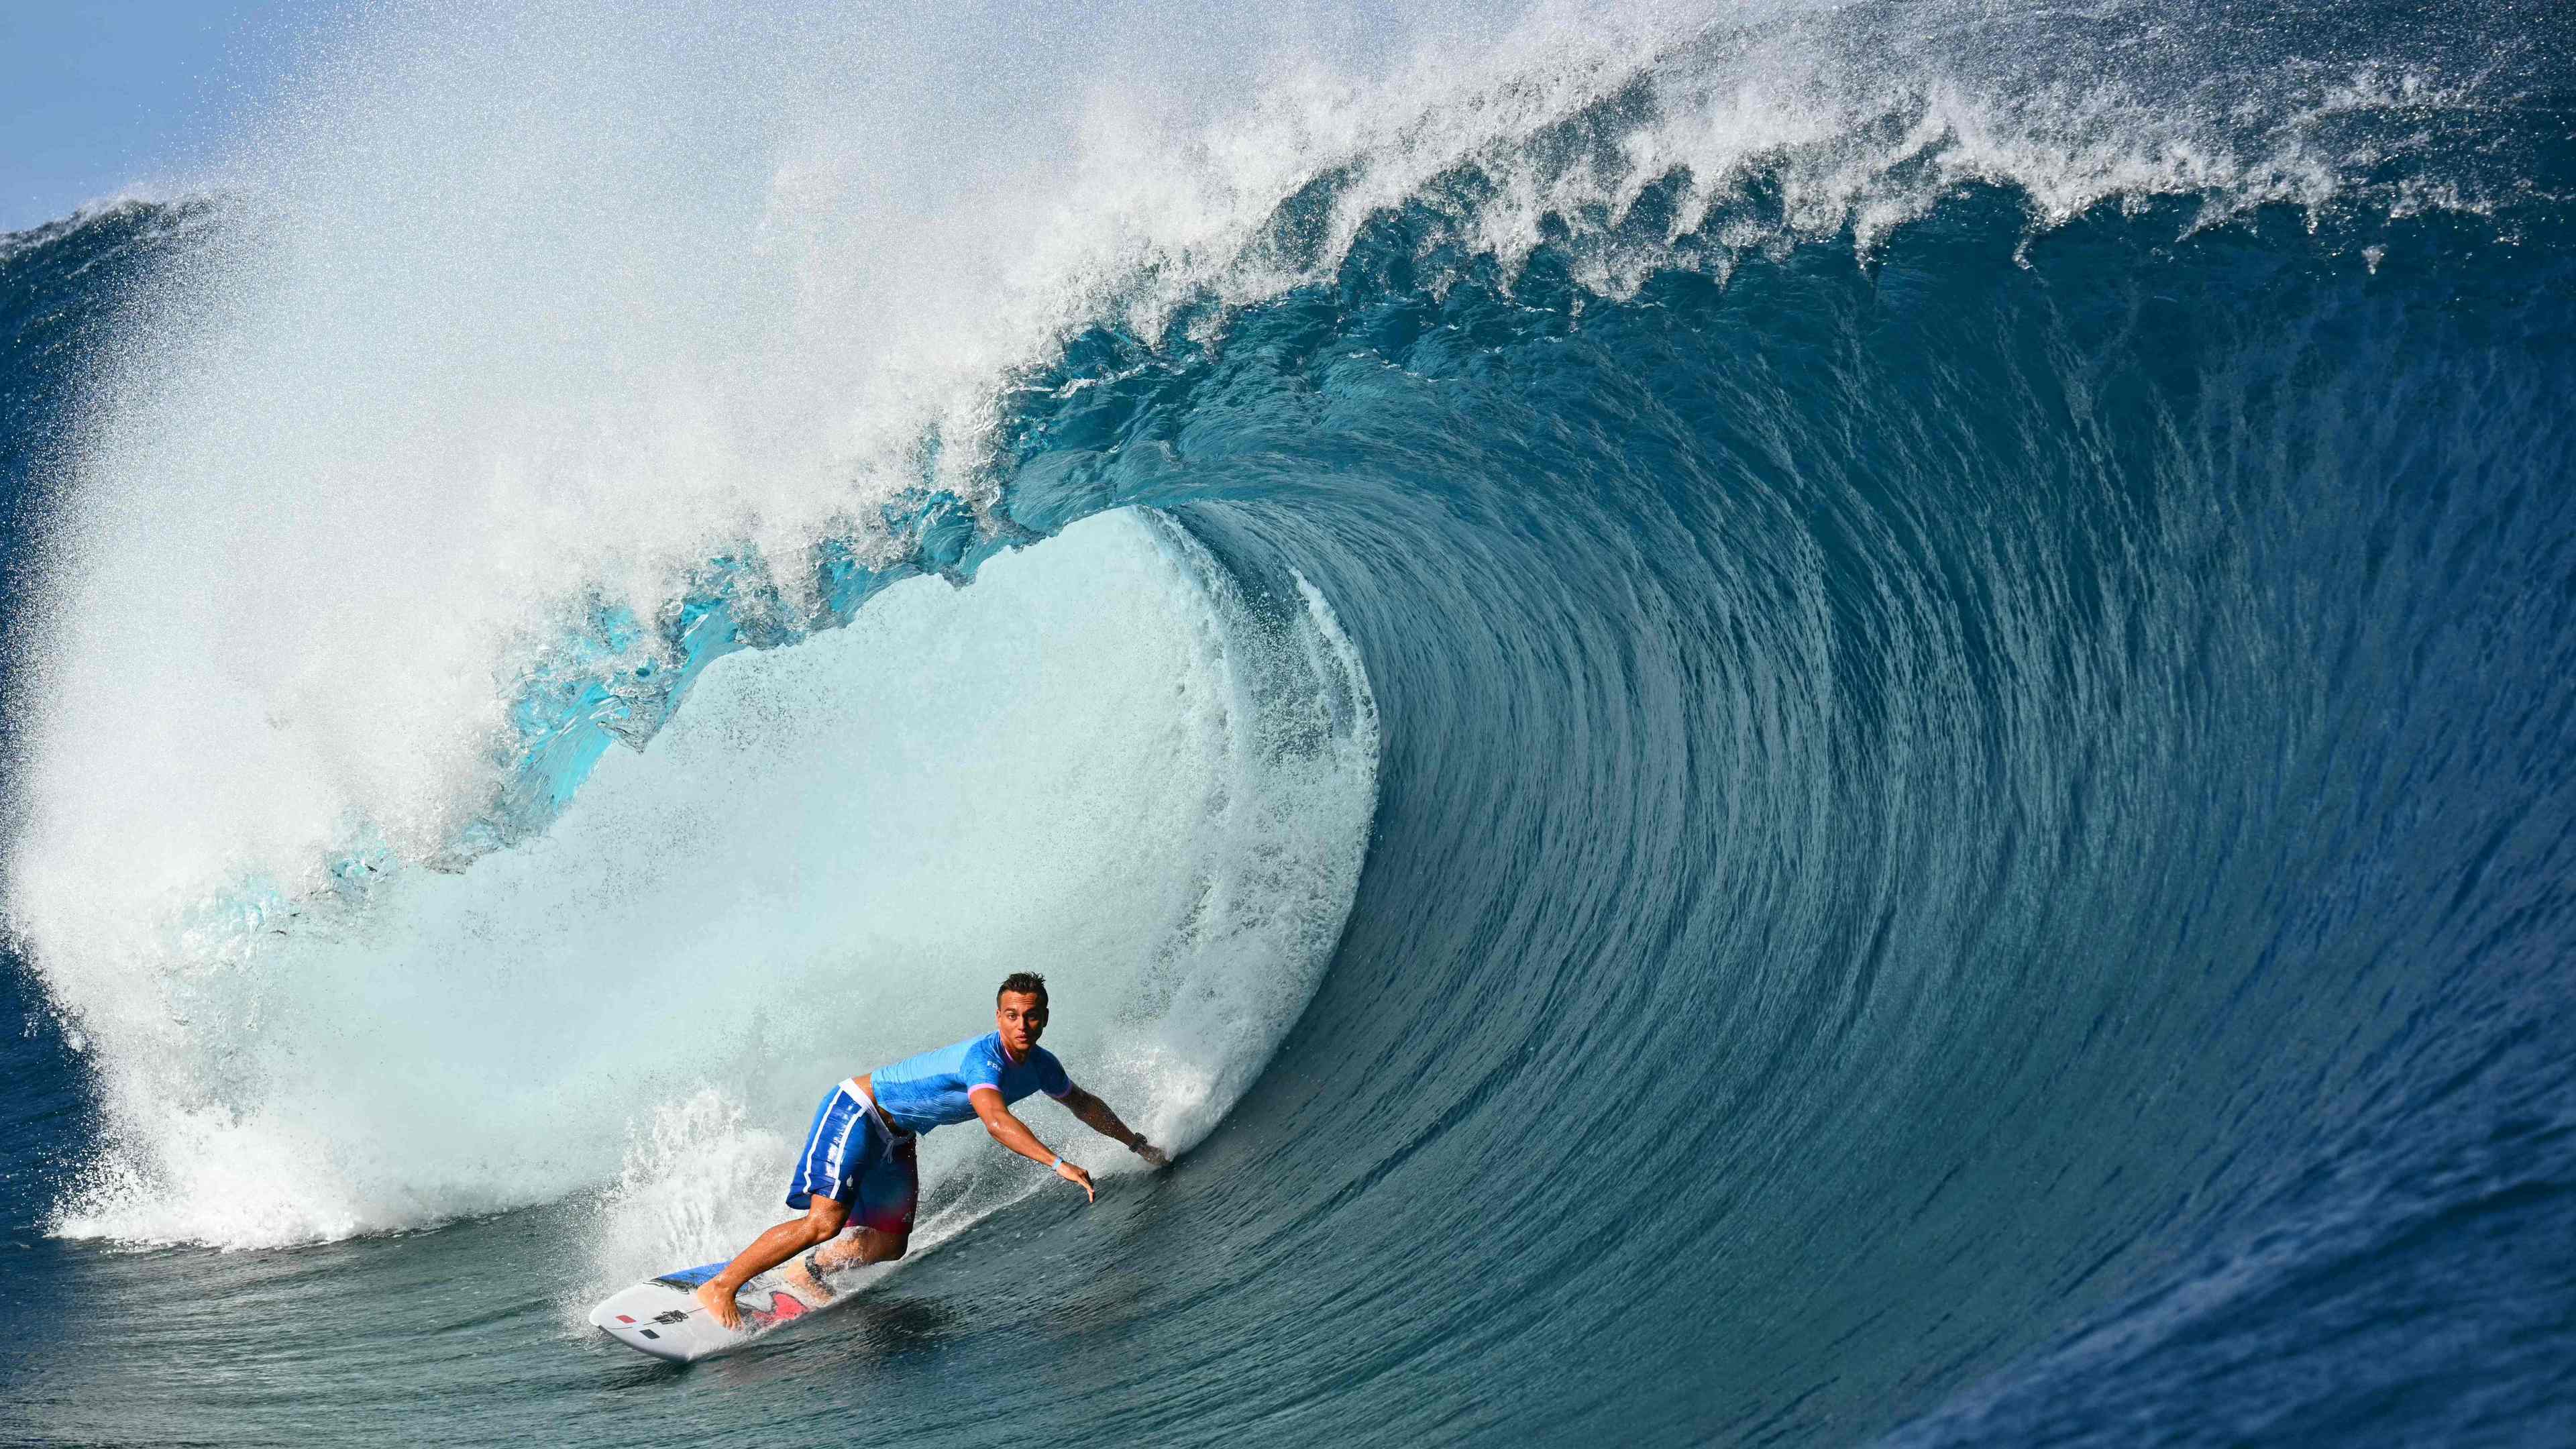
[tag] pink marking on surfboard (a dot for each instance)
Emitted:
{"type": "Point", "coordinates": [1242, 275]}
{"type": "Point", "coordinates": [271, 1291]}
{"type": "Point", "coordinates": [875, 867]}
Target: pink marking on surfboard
{"type": "Point", "coordinates": [782, 1307]}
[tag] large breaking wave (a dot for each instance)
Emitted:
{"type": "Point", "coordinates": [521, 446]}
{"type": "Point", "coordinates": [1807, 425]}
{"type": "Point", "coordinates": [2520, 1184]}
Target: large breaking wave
{"type": "Point", "coordinates": [1945, 633]}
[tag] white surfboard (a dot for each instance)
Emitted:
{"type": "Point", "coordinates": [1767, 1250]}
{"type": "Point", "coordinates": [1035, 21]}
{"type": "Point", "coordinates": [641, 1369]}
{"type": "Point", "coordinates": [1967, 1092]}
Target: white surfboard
{"type": "Point", "coordinates": [661, 1316]}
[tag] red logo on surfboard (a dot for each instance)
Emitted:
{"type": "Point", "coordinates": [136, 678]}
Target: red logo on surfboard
{"type": "Point", "coordinates": [782, 1307]}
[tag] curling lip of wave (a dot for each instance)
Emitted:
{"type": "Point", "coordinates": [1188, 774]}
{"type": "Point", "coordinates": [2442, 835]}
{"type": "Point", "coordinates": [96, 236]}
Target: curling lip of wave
{"type": "Point", "coordinates": [1643, 154]}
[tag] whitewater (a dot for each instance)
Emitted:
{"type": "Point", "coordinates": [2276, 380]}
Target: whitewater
{"type": "Point", "coordinates": [1811, 723]}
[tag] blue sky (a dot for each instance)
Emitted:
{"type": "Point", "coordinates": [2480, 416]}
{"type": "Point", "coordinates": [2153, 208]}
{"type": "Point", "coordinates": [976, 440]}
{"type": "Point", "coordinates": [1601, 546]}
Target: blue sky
{"type": "Point", "coordinates": [96, 95]}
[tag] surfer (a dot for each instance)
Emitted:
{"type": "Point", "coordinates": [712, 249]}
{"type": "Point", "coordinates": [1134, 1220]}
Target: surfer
{"type": "Point", "coordinates": [859, 1160]}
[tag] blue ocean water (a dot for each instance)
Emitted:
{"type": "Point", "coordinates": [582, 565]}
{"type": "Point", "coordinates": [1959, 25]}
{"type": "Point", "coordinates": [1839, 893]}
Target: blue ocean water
{"type": "Point", "coordinates": [1970, 828]}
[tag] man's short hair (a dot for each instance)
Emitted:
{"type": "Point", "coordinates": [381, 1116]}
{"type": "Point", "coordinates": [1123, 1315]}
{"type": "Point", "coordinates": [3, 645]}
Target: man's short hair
{"type": "Point", "coordinates": [1026, 983]}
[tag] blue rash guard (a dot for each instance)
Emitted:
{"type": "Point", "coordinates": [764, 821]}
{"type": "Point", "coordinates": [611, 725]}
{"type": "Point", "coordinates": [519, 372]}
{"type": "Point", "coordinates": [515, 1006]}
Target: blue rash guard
{"type": "Point", "coordinates": [865, 1160]}
{"type": "Point", "coordinates": [933, 1089]}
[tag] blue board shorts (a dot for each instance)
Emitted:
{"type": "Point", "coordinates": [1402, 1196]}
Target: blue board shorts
{"type": "Point", "coordinates": [852, 1156]}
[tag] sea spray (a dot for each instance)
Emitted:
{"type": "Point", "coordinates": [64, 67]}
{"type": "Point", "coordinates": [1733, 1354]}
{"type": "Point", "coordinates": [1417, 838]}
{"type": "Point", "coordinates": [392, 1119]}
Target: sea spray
{"type": "Point", "coordinates": [1098, 763]}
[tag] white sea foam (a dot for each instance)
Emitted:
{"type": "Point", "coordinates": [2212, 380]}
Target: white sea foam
{"type": "Point", "coordinates": [1097, 763]}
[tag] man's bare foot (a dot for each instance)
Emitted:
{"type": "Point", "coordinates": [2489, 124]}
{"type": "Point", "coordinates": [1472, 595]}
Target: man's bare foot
{"type": "Point", "coordinates": [805, 1283]}
{"type": "Point", "coordinates": [719, 1305]}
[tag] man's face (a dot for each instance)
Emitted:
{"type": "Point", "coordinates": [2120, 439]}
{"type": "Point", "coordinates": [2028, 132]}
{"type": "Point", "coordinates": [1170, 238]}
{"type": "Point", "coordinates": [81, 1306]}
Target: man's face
{"type": "Point", "coordinates": [1022, 1019]}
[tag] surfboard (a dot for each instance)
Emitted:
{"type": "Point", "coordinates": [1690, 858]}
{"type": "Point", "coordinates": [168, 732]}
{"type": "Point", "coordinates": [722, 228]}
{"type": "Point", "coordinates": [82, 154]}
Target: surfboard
{"type": "Point", "coordinates": [661, 1316]}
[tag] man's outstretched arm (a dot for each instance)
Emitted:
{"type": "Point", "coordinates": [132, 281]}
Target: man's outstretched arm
{"type": "Point", "coordinates": [1014, 1134]}
{"type": "Point", "coordinates": [1095, 1114]}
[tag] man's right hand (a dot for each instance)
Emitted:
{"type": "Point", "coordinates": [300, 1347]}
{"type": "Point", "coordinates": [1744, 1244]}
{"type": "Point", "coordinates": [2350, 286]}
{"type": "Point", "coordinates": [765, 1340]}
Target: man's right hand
{"type": "Point", "coordinates": [1077, 1176]}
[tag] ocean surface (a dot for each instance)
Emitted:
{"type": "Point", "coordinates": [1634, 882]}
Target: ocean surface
{"type": "Point", "coordinates": [1778, 725]}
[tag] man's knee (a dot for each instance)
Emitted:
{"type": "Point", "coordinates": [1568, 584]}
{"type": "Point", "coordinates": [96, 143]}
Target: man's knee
{"type": "Point", "coordinates": [892, 1246]}
{"type": "Point", "coordinates": [823, 1222]}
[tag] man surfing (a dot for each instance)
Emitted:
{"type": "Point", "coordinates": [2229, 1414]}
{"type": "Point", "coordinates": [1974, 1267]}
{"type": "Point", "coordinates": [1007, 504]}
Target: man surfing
{"type": "Point", "coordinates": [859, 1157]}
